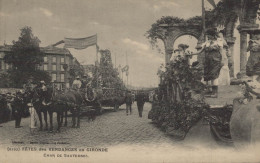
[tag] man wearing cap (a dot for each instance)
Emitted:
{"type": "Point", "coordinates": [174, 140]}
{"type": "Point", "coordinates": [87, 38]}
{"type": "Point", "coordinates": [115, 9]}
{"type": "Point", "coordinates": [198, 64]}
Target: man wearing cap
{"type": "Point", "coordinates": [76, 83]}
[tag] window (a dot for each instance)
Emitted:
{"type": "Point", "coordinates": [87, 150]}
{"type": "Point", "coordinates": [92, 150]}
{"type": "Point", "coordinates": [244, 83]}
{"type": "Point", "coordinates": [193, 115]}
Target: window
{"type": "Point", "coordinates": [54, 59]}
{"type": "Point", "coordinates": [62, 60]}
{"type": "Point", "coordinates": [54, 67]}
{"type": "Point", "coordinates": [0, 64]}
{"type": "Point", "coordinates": [7, 66]}
{"type": "Point", "coordinates": [53, 77]}
{"type": "Point", "coordinates": [45, 67]}
{"type": "Point", "coordinates": [45, 59]}
{"type": "Point", "coordinates": [61, 68]}
{"type": "Point", "coordinates": [62, 77]}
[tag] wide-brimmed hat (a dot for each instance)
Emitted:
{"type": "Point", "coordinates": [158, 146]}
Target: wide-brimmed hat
{"type": "Point", "coordinates": [212, 32]}
{"type": "Point", "coordinates": [77, 77]}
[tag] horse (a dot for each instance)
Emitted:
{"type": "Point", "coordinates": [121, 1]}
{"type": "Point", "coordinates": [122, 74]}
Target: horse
{"type": "Point", "coordinates": [71, 100]}
{"type": "Point", "coordinates": [34, 97]}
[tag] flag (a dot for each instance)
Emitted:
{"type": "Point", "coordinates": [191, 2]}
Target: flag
{"type": "Point", "coordinates": [125, 69]}
{"type": "Point", "coordinates": [212, 2]}
{"type": "Point", "coordinates": [80, 43]}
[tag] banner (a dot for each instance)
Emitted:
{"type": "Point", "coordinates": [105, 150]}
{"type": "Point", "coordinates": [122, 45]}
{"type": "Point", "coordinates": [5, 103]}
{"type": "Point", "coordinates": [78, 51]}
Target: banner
{"type": "Point", "coordinates": [80, 43]}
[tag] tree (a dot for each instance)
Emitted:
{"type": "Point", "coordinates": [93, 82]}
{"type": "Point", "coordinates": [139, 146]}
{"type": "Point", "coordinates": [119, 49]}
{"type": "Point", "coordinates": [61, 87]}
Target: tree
{"type": "Point", "coordinates": [25, 56]}
{"type": "Point", "coordinates": [25, 53]}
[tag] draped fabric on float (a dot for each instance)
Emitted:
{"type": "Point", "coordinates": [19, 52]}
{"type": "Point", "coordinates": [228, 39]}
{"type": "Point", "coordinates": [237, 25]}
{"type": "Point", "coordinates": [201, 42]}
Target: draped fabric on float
{"type": "Point", "coordinates": [80, 43]}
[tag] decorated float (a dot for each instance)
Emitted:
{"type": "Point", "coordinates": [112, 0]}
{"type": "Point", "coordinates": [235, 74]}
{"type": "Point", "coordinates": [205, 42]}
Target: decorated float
{"type": "Point", "coordinates": [234, 115]}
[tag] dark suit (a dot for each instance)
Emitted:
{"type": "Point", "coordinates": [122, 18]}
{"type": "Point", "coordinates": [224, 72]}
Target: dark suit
{"type": "Point", "coordinates": [140, 100]}
{"type": "Point", "coordinates": [128, 101]}
{"type": "Point", "coordinates": [17, 110]}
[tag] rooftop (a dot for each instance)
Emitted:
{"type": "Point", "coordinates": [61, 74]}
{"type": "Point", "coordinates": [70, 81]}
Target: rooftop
{"type": "Point", "coordinates": [46, 50]}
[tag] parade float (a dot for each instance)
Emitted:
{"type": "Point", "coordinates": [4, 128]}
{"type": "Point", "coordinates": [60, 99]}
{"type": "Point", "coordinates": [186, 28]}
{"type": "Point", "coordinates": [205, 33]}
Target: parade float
{"type": "Point", "coordinates": [111, 87]}
{"type": "Point", "coordinates": [234, 115]}
{"type": "Point", "coordinates": [106, 88]}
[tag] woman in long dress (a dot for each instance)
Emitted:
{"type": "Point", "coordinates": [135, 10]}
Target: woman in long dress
{"type": "Point", "coordinates": [224, 76]}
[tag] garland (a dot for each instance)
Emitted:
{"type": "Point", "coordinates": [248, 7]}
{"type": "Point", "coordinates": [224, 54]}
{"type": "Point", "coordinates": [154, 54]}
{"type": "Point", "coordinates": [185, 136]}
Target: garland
{"type": "Point", "coordinates": [177, 117]}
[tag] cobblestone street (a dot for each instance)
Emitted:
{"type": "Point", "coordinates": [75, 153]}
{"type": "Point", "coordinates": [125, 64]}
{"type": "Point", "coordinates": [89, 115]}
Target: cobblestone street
{"type": "Point", "coordinates": [126, 137]}
{"type": "Point", "coordinates": [111, 128]}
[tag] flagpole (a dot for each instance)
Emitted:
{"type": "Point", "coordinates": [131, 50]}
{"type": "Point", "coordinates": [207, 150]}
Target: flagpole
{"type": "Point", "coordinates": [127, 70]}
{"type": "Point", "coordinates": [115, 59]}
{"type": "Point", "coordinates": [203, 20]}
{"type": "Point", "coordinates": [96, 51]}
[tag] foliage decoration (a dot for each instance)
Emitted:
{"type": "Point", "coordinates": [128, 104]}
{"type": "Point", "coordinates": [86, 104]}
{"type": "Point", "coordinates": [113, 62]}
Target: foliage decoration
{"type": "Point", "coordinates": [176, 117]}
{"type": "Point", "coordinates": [157, 30]}
{"type": "Point", "coordinates": [106, 73]}
{"type": "Point", "coordinates": [221, 14]}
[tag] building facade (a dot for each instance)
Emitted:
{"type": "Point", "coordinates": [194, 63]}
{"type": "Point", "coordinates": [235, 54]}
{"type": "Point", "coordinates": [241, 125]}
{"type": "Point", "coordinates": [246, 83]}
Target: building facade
{"type": "Point", "coordinates": [56, 61]}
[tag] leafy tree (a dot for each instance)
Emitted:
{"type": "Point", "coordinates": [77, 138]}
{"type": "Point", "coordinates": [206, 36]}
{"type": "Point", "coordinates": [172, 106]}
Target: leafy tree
{"type": "Point", "coordinates": [5, 80]}
{"type": "Point", "coordinates": [25, 53]}
{"type": "Point", "coordinates": [25, 56]}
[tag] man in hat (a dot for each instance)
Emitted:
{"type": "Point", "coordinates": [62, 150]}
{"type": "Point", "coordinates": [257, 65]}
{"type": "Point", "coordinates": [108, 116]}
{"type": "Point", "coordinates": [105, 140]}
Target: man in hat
{"type": "Point", "coordinates": [17, 109]}
{"type": "Point", "coordinates": [43, 89]}
{"type": "Point", "coordinates": [29, 85]}
{"type": "Point", "coordinates": [128, 102]}
{"type": "Point", "coordinates": [140, 100]}
{"type": "Point", "coordinates": [76, 83]}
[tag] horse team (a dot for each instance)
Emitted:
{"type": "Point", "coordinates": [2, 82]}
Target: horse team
{"type": "Point", "coordinates": [50, 101]}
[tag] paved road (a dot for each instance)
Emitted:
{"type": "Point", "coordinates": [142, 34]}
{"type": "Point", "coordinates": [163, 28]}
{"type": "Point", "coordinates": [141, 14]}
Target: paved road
{"type": "Point", "coordinates": [127, 138]}
{"type": "Point", "coordinates": [111, 128]}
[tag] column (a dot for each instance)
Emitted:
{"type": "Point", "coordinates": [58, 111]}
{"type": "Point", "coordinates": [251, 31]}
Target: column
{"type": "Point", "coordinates": [231, 42]}
{"type": "Point", "coordinates": [243, 52]}
{"type": "Point", "coordinates": [168, 45]}
{"type": "Point", "coordinates": [168, 55]}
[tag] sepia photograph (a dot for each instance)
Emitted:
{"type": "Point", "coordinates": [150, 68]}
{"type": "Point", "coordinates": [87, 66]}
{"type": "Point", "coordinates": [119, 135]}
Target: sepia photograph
{"type": "Point", "coordinates": [129, 81]}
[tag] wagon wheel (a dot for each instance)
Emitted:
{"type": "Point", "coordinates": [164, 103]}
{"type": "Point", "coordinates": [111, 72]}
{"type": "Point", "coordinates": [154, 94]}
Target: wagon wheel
{"type": "Point", "coordinates": [99, 109]}
{"type": "Point", "coordinates": [116, 107]}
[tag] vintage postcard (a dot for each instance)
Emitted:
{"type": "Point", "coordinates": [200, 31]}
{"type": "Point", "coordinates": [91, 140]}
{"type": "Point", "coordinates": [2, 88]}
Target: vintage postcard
{"type": "Point", "coordinates": [160, 81]}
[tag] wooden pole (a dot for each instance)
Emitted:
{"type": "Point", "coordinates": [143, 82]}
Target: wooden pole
{"type": "Point", "coordinates": [115, 59]}
{"type": "Point", "coordinates": [96, 51]}
{"type": "Point", "coordinates": [127, 70]}
{"type": "Point", "coordinates": [203, 20]}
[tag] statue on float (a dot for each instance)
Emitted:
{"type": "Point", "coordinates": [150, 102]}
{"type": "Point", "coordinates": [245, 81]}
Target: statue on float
{"type": "Point", "coordinates": [245, 119]}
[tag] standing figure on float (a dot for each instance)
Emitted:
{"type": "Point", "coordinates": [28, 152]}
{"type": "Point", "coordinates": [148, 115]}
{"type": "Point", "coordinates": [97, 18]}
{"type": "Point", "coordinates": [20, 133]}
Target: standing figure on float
{"type": "Point", "coordinates": [214, 48]}
{"type": "Point", "coordinates": [224, 75]}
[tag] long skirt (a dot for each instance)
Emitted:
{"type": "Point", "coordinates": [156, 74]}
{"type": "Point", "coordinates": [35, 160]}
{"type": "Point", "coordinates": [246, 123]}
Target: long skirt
{"type": "Point", "coordinates": [212, 65]}
{"type": "Point", "coordinates": [33, 122]}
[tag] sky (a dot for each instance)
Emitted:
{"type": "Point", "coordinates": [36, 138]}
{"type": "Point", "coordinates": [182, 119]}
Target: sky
{"type": "Point", "coordinates": [119, 24]}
